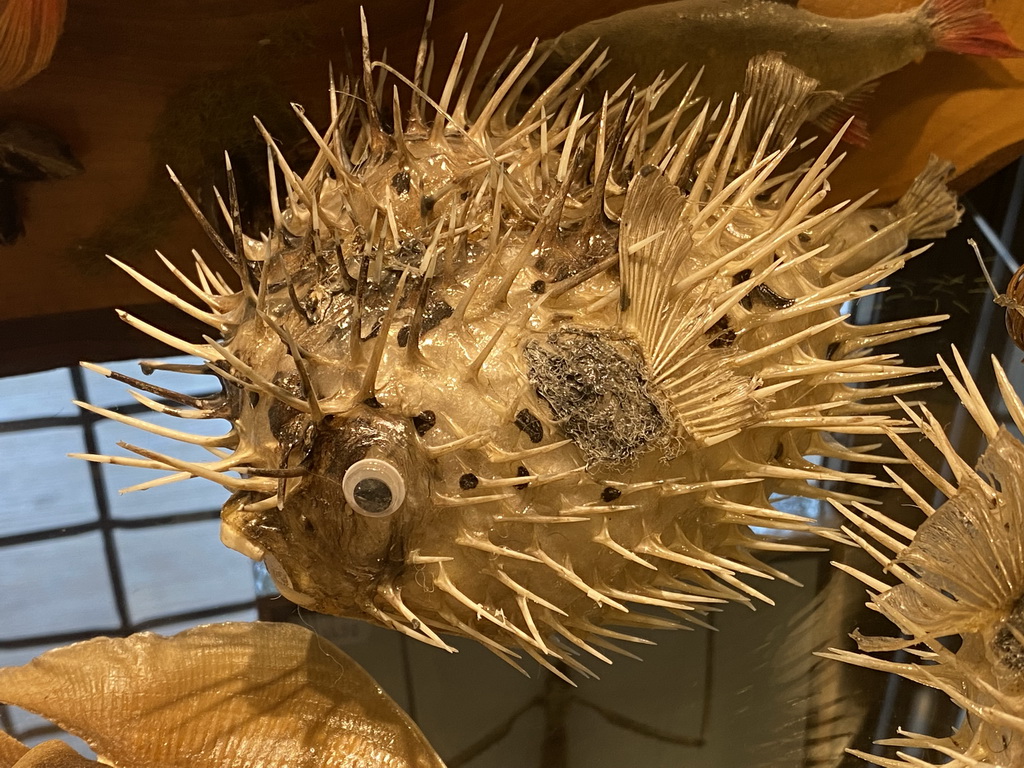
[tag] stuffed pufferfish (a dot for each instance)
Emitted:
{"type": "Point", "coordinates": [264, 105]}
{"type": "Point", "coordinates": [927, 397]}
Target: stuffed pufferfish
{"type": "Point", "coordinates": [522, 380]}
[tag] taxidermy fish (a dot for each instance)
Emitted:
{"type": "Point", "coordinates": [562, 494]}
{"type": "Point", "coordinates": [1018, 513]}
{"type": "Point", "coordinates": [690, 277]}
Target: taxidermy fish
{"type": "Point", "coordinates": [520, 381]}
{"type": "Point", "coordinates": [960, 573]}
{"type": "Point", "coordinates": [217, 696]}
{"type": "Point", "coordinates": [846, 56]}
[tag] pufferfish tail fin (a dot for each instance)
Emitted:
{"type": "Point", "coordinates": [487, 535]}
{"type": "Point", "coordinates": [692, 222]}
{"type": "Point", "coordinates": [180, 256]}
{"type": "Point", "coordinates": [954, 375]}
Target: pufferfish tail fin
{"type": "Point", "coordinates": [931, 205]}
{"type": "Point", "coordinates": [669, 302]}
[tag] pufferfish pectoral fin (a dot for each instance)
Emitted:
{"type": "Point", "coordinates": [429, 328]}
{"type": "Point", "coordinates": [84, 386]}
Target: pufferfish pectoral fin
{"type": "Point", "coordinates": [673, 302]}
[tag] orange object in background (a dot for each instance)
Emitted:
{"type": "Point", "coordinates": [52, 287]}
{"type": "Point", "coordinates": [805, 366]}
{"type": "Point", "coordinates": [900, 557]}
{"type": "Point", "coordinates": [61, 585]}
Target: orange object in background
{"type": "Point", "coordinates": [29, 30]}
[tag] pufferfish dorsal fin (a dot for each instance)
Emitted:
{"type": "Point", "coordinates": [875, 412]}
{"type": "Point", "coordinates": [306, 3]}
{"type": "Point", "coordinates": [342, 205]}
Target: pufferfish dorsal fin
{"type": "Point", "coordinates": [672, 302]}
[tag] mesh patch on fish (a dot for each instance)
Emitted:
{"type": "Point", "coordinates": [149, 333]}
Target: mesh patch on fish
{"type": "Point", "coordinates": [597, 387]}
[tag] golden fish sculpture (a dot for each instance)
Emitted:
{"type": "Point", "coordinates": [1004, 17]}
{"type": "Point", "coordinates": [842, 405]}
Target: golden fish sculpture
{"type": "Point", "coordinates": [227, 695]}
{"type": "Point", "coordinates": [961, 573]}
{"type": "Point", "coordinates": [522, 378]}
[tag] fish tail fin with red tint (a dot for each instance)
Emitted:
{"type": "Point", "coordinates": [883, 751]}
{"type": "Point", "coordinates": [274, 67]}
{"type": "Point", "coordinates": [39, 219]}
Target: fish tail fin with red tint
{"type": "Point", "coordinates": [965, 26]}
{"type": "Point", "coordinates": [847, 114]}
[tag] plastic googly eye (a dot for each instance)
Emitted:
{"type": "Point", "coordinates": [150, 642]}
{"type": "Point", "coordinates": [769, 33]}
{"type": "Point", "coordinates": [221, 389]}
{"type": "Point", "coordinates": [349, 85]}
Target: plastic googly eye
{"type": "Point", "coordinates": [373, 488]}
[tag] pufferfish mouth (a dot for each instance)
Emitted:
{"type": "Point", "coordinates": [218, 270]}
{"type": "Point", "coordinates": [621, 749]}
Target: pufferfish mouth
{"type": "Point", "coordinates": [284, 585]}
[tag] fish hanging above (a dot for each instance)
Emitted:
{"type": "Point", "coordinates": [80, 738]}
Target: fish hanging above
{"type": "Point", "coordinates": [521, 381]}
{"type": "Point", "coordinates": [846, 56]}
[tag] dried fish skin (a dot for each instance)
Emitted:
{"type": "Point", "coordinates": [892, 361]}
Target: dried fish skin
{"type": "Point", "coordinates": [230, 695]}
{"type": "Point", "coordinates": [54, 754]}
{"type": "Point", "coordinates": [11, 750]}
{"type": "Point", "coordinates": [961, 573]}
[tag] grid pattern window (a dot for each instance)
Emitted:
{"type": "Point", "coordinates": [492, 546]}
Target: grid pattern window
{"type": "Point", "coordinates": [78, 558]}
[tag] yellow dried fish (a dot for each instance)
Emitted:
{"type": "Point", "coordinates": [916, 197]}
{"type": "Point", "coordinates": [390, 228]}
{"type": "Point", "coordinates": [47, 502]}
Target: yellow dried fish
{"type": "Point", "coordinates": [49, 754]}
{"type": "Point", "coordinates": [11, 750]}
{"type": "Point", "coordinates": [232, 695]}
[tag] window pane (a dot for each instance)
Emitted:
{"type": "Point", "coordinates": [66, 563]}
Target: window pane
{"type": "Point", "coordinates": [178, 568]}
{"type": "Point", "coordinates": [43, 487]}
{"type": "Point", "coordinates": [53, 586]}
{"type": "Point", "coordinates": [36, 395]}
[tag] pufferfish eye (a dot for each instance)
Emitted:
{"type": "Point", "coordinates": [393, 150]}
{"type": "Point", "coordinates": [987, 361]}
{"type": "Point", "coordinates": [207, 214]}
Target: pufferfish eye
{"type": "Point", "coordinates": [373, 488]}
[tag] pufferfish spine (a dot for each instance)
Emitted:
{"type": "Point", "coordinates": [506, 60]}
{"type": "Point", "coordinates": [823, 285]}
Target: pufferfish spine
{"type": "Point", "coordinates": [523, 373]}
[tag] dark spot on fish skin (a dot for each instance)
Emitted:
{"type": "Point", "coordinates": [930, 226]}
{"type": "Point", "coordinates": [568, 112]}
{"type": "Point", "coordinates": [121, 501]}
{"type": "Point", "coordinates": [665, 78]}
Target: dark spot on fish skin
{"type": "Point", "coordinates": [610, 494]}
{"type": "Point", "coordinates": [538, 286]}
{"type": "Point", "coordinates": [468, 481]}
{"type": "Point", "coordinates": [530, 425]}
{"type": "Point", "coordinates": [724, 335]}
{"type": "Point", "coordinates": [767, 296]}
{"type": "Point", "coordinates": [647, 170]}
{"type": "Point", "coordinates": [282, 417]}
{"type": "Point", "coordinates": [426, 205]}
{"type": "Point", "coordinates": [400, 182]}
{"type": "Point", "coordinates": [403, 336]}
{"type": "Point", "coordinates": [373, 332]}
{"type": "Point", "coordinates": [761, 292]}
{"type": "Point", "coordinates": [522, 471]}
{"type": "Point", "coordinates": [464, 195]}
{"type": "Point", "coordinates": [725, 339]}
{"type": "Point", "coordinates": [436, 311]}
{"type": "Point", "coordinates": [410, 252]}
{"type": "Point", "coordinates": [423, 422]}
{"type": "Point", "coordinates": [873, 227]}
{"type": "Point", "coordinates": [372, 402]}
{"type": "Point", "coordinates": [831, 351]}
{"type": "Point", "coordinates": [596, 386]}
{"type": "Point", "coordinates": [804, 237]}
